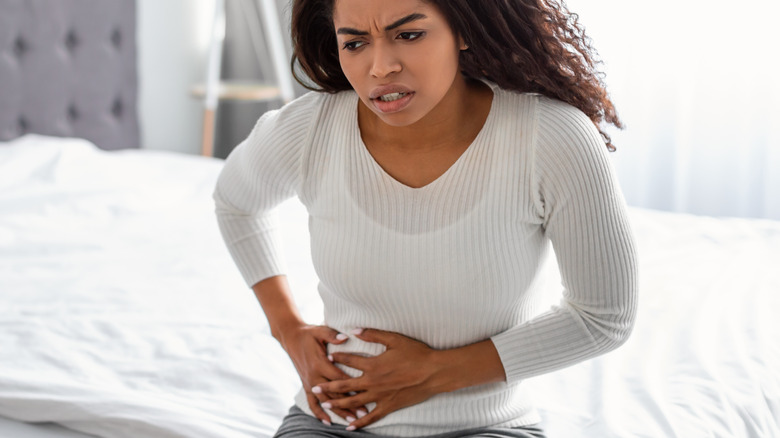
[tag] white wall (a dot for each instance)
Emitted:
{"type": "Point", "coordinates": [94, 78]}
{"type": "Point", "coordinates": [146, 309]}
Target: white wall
{"type": "Point", "coordinates": [172, 46]}
{"type": "Point", "coordinates": [695, 82]}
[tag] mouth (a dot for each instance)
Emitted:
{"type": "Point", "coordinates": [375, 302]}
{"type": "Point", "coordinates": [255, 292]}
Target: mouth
{"type": "Point", "coordinates": [392, 102]}
{"type": "Point", "coordinates": [391, 97]}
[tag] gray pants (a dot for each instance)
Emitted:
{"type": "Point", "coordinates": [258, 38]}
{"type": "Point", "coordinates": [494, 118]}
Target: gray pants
{"type": "Point", "coordinates": [298, 424]}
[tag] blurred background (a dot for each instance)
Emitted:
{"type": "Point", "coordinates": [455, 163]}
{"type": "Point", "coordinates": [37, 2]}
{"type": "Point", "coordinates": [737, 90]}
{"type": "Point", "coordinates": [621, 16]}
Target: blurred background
{"type": "Point", "coordinates": [694, 82]}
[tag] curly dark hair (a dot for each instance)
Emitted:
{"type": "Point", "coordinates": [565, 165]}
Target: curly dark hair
{"type": "Point", "coordinates": [534, 46]}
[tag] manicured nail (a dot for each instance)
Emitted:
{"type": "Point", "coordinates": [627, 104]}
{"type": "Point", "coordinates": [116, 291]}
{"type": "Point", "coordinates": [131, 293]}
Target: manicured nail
{"type": "Point", "coordinates": [350, 419]}
{"type": "Point", "coordinates": [361, 413]}
{"type": "Point", "coordinates": [326, 422]}
{"type": "Point", "coordinates": [316, 390]}
{"type": "Point", "coordinates": [351, 428]}
{"type": "Point", "coordinates": [356, 331]}
{"type": "Point", "coordinates": [326, 405]}
{"type": "Point", "coordinates": [330, 357]}
{"type": "Point", "coordinates": [342, 337]}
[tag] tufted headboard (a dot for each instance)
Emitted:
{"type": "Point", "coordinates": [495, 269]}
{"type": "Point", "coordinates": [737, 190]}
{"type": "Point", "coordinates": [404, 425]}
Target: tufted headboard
{"type": "Point", "coordinates": [68, 69]}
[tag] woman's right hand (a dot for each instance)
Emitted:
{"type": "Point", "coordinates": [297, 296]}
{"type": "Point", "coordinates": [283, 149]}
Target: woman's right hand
{"type": "Point", "coordinates": [307, 347]}
{"type": "Point", "coordinates": [305, 344]}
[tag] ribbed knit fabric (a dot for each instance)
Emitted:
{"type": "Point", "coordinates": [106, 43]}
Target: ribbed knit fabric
{"type": "Point", "coordinates": [456, 261]}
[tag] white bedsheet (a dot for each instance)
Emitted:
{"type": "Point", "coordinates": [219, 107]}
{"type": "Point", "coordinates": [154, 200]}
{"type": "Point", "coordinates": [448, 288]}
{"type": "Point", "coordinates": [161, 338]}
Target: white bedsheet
{"type": "Point", "coordinates": [704, 357]}
{"type": "Point", "coordinates": [122, 315]}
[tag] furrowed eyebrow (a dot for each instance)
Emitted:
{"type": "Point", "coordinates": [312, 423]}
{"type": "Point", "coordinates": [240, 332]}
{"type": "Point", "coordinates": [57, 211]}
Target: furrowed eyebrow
{"type": "Point", "coordinates": [398, 23]}
{"type": "Point", "coordinates": [407, 19]}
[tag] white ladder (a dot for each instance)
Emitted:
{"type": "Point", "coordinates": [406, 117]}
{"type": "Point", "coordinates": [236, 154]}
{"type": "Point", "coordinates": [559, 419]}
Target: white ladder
{"type": "Point", "coordinates": [215, 89]}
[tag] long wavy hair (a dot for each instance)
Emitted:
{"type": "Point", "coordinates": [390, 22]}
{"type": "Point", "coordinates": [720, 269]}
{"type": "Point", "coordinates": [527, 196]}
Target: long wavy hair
{"type": "Point", "coordinates": [532, 46]}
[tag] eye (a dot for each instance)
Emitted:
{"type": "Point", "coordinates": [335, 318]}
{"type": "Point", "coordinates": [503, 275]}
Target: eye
{"type": "Point", "coordinates": [410, 36]}
{"type": "Point", "coordinates": [351, 46]}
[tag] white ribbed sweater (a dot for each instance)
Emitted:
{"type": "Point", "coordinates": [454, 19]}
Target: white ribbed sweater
{"type": "Point", "coordinates": [456, 261]}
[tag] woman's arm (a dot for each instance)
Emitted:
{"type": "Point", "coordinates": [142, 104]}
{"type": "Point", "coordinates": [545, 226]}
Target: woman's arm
{"type": "Point", "coordinates": [258, 175]}
{"type": "Point", "coordinates": [261, 173]}
{"type": "Point", "coordinates": [305, 344]}
{"type": "Point", "coordinates": [582, 210]}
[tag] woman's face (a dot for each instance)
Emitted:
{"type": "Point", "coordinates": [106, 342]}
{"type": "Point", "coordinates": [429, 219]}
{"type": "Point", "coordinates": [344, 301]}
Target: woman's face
{"type": "Point", "coordinates": [400, 56]}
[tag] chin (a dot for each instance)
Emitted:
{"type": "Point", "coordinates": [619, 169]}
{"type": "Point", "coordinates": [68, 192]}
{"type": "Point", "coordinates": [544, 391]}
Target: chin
{"type": "Point", "coordinates": [399, 119]}
{"type": "Point", "coordinates": [397, 122]}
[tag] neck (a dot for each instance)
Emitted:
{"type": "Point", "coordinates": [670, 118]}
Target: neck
{"type": "Point", "coordinates": [447, 124]}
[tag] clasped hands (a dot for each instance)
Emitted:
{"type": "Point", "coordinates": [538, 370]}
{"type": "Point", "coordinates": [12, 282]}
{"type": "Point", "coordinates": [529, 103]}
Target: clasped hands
{"type": "Point", "coordinates": [406, 373]}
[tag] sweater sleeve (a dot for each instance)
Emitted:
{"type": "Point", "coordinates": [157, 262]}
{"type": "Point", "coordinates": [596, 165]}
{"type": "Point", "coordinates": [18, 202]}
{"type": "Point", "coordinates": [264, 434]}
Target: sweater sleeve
{"type": "Point", "coordinates": [259, 174]}
{"type": "Point", "coordinates": [584, 216]}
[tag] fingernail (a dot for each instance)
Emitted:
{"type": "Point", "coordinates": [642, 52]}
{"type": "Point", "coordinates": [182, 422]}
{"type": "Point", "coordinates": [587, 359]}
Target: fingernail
{"type": "Point", "coordinates": [361, 413]}
{"type": "Point", "coordinates": [326, 405]}
{"type": "Point", "coordinates": [326, 422]}
{"type": "Point", "coordinates": [316, 390]}
{"type": "Point", "coordinates": [350, 419]}
{"type": "Point", "coordinates": [342, 337]}
{"type": "Point", "coordinates": [351, 428]}
{"type": "Point", "coordinates": [330, 357]}
{"type": "Point", "coordinates": [356, 331]}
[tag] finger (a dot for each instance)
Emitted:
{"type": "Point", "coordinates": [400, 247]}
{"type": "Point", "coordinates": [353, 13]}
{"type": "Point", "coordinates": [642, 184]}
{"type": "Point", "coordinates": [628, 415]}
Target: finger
{"type": "Point", "coordinates": [378, 336]}
{"type": "Point", "coordinates": [377, 414]}
{"type": "Point", "coordinates": [323, 397]}
{"type": "Point", "coordinates": [351, 360]}
{"type": "Point", "coordinates": [353, 403]}
{"type": "Point", "coordinates": [316, 409]}
{"type": "Point", "coordinates": [327, 334]}
{"type": "Point", "coordinates": [332, 372]}
{"type": "Point", "coordinates": [345, 386]}
{"type": "Point", "coordinates": [325, 401]}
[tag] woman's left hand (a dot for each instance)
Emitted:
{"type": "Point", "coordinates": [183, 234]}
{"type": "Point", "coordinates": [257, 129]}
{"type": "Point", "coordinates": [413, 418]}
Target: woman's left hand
{"type": "Point", "coordinates": [407, 373]}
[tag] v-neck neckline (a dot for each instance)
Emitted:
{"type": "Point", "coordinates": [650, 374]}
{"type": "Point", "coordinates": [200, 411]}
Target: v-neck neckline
{"type": "Point", "coordinates": [464, 156]}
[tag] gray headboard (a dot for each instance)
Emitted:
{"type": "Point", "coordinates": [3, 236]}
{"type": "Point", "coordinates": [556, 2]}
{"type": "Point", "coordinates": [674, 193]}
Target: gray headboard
{"type": "Point", "coordinates": [68, 69]}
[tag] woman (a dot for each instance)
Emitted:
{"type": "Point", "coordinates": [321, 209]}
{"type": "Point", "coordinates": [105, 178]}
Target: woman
{"type": "Point", "coordinates": [453, 141]}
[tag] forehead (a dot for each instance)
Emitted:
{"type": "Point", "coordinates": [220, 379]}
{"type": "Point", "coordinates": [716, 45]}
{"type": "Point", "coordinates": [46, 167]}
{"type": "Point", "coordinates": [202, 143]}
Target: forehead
{"type": "Point", "coordinates": [373, 14]}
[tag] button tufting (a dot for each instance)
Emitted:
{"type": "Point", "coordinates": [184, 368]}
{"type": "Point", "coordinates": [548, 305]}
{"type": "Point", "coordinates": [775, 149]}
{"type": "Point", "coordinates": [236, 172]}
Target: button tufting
{"type": "Point", "coordinates": [20, 46]}
{"type": "Point", "coordinates": [22, 124]}
{"type": "Point", "coordinates": [71, 40]}
{"type": "Point", "coordinates": [117, 108]}
{"type": "Point", "coordinates": [73, 113]}
{"type": "Point", "coordinates": [116, 38]}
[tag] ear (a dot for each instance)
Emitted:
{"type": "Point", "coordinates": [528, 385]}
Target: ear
{"type": "Point", "coordinates": [462, 43]}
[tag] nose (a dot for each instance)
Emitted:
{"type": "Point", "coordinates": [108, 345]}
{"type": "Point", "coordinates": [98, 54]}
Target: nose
{"type": "Point", "coordinates": [384, 62]}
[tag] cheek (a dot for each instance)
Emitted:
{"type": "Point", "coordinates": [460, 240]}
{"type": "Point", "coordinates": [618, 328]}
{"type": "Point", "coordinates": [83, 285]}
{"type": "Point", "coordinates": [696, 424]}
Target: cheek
{"type": "Point", "coordinates": [442, 64]}
{"type": "Point", "coordinates": [440, 53]}
{"type": "Point", "coordinates": [350, 67]}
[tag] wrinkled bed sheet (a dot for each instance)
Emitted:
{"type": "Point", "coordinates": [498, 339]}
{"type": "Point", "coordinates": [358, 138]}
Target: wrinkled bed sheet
{"type": "Point", "coordinates": [122, 315]}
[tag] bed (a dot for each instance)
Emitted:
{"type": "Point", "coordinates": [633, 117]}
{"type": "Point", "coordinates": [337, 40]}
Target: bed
{"type": "Point", "coordinates": [122, 315]}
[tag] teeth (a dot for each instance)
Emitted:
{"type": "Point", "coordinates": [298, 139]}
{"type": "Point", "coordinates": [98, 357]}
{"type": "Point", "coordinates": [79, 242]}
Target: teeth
{"type": "Point", "coordinates": [391, 97]}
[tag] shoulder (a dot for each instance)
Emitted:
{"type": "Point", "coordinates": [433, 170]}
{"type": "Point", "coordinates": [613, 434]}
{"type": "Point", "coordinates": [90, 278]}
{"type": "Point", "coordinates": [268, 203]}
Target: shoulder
{"type": "Point", "coordinates": [292, 116]}
{"type": "Point", "coordinates": [563, 127]}
{"type": "Point", "coordinates": [303, 114]}
{"type": "Point", "coordinates": [555, 120]}
{"type": "Point", "coordinates": [570, 156]}
{"type": "Point", "coordinates": [313, 101]}
{"type": "Point", "coordinates": [292, 124]}
{"type": "Point", "coordinates": [514, 104]}
{"type": "Point", "coordinates": [548, 125]}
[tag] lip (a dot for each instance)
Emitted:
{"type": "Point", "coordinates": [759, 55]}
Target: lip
{"type": "Point", "coordinates": [396, 105]}
{"type": "Point", "coordinates": [387, 89]}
